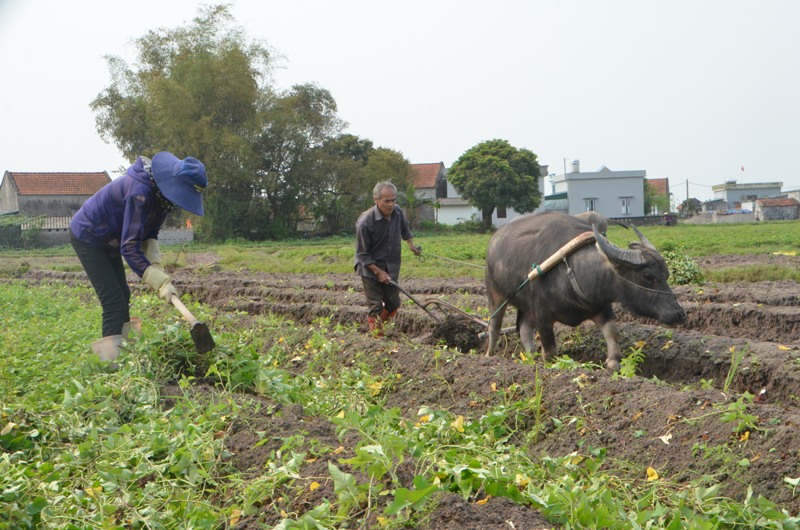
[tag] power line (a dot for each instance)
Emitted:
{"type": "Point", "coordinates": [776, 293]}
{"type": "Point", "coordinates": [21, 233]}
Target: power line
{"type": "Point", "coordinates": [692, 183]}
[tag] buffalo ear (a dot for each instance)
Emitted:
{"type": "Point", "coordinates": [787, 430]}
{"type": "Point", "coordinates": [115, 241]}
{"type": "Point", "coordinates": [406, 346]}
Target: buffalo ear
{"type": "Point", "coordinates": [615, 254]}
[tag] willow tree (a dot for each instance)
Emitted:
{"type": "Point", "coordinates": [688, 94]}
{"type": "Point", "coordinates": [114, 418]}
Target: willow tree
{"type": "Point", "coordinates": [205, 90]}
{"type": "Point", "coordinates": [495, 174]}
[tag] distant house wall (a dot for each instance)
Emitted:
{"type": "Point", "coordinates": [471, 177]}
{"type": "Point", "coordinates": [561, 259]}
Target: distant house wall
{"type": "Point", "coordinates": [50, 237]}
{"type": "Point", "coordinates": [50, 205]}
{"type": "Point", "coordinates": [426, 212]}
{"type": "Point", "coordinates": [787, 209]}
{"type": "Point", "coordinates": [8, 195]}
{"type": "Point", "coordinates": [428, 180]}
{"type": "Point", "coordinates": [734, 193]}
{"type": "Point", "coordinates": [718, 218]}
{"type": "Point", "coordinates": [777, 213]}
{"type": "Point", "coordinates": [713, 205]}
{"type": "Point", "coordinates": [453, 214]}
{"type": "Point", "coordinates": [175, 236]}
{"type": "Point", "coordinates": [611, 193]}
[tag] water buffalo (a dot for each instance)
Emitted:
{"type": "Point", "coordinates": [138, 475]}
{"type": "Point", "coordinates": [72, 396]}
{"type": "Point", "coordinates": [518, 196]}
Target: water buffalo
{"type": "Point", "coordinates": [604, 273]}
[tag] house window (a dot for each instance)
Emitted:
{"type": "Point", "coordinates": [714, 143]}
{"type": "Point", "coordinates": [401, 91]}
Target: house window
{"type": "Point", "coordinates": [626, 205]}
{"type": "Point", "coordinates": [590, 205]}
{"type": "Point", "coordinates": [501, 212]}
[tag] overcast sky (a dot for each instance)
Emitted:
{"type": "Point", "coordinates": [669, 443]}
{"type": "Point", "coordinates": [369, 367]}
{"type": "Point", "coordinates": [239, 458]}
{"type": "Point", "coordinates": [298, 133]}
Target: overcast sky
{"type": "Point", "coordinates": [689, 90]}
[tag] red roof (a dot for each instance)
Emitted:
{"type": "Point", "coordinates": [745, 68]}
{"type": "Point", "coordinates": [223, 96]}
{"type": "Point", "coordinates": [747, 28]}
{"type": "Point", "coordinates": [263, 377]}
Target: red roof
{"type": "Point", "coordinates": [661, 186]}
{"type": "Point", "coordinates": [59, 183]}
{"type": "Point", "coordinates": [777, 202]}
{"type": "Point", "coordinates": [425, 174]}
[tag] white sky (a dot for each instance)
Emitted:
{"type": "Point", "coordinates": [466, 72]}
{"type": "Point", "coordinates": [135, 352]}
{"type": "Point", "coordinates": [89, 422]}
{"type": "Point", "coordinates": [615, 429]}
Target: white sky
{"type": "Point", "coordinates": [689, 90]}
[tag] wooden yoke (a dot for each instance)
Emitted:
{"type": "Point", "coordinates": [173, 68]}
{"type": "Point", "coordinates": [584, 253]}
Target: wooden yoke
{"type": "Point", "coordinates": [581, 240]}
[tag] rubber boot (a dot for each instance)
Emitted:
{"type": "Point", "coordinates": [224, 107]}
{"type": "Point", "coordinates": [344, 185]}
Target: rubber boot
{"type": "Point", "coordinates": [386, 316]}
{"type": "Point", "coordinates": [135, 326]}
{"type": "Point", "coordinates": [375, 326]}
{"type": "Point", "coordinates": [107, 348]}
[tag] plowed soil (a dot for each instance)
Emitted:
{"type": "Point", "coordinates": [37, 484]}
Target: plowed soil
{"type": "Point", "coordinates": [661, 418]}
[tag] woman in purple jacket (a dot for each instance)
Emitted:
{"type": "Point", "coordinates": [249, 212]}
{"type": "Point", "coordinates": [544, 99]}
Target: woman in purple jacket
{"type": "Point", "coordinates": [122, 220]}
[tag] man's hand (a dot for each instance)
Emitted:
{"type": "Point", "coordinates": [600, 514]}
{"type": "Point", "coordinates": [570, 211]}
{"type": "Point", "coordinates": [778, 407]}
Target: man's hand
{"type": "Point", "coordinates": [383, 276]}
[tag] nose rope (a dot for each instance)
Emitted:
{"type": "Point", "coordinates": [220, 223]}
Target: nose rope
{"type": "Point", "coordinates": [642, 286]}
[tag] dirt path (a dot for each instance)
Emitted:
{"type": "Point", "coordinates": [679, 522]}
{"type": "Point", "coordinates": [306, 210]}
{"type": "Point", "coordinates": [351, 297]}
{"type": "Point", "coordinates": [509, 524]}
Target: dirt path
{"type": "Point", "coordinates": [668, 418]}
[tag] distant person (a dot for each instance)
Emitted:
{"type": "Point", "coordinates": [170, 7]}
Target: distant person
{"type": "Point", "coordinates": [122, 220]}
{"type": "Point", "coordinates": [379, 232]}
{"type": "Point", "coordinates": [668, 219]}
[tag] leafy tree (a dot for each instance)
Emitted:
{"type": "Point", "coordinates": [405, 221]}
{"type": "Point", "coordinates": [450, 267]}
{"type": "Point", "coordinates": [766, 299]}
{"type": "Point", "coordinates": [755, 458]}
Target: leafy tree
{"type": "Point", "coordinates": [205, 90]}
{"type": "Point", "coordinates": [345, 170]}
{"type": "Point", "coordinates": [341, 181]}
{"type": "Point", "coordinates": [411, 202]}
{"type": "Point", "coordinates": [295, 127]}
{"type": "Point", "coordinates": [494, 173]}
{"type": "Point", "coordinates": [654, 202]}
{"type": "Point", "coordinates": [386, 165]}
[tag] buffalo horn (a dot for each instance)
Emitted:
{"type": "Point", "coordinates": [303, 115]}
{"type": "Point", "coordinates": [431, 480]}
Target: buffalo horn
{"type": "Point", "coordinates": [614, 253]}
{"type": "Point", "coordinates": [644, 240]}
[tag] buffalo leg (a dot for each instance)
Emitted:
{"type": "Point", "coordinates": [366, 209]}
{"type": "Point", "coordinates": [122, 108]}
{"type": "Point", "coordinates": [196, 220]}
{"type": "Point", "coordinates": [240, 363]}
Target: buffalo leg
{"type": "Point", "coordinates": [527, 330]}
{"type": "Point", "coordinates": [548, 339]}
{"type": "Point", "coordinates": [611, 334]}
{"type": "Point", "coordinates": [495, 324]}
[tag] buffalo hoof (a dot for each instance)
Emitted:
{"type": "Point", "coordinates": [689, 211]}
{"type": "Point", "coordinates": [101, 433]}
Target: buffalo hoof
{"type": "Point", "coordinates": [612, 365]}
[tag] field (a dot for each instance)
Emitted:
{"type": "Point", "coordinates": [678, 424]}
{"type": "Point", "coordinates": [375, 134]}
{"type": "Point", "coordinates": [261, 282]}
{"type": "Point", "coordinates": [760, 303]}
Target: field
{"type": "Point", "coordinates": [301, 419]}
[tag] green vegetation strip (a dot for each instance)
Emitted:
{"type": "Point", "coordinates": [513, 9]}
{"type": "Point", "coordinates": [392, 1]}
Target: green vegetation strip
{"type": "Point", "coordinates": [680, 245]}
{"type": "Point", "coordinates": [85, 447]}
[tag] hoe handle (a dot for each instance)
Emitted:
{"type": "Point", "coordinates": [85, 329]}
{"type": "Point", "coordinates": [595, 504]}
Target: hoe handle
{"type": "Point", "coordinates": [183, 309]}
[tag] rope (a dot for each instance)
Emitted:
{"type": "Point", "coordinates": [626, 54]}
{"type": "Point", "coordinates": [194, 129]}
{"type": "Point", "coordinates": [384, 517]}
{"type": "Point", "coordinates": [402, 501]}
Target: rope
{"type": "Point", "coordinates": [535, 266]}
{"type": "Point", "coordinates": [422, 256]}
{"type": "Point", "coordinates": [642, 286]}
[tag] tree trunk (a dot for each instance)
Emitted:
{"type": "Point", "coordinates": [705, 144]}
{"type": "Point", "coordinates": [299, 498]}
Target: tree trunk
{"type": "Point", "coordinates": [486, 213]}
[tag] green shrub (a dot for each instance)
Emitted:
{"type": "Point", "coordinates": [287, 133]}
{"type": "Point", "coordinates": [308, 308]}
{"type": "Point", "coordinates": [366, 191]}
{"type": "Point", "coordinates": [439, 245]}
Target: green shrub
{"type": "Point", "coordinates": [682, 269]}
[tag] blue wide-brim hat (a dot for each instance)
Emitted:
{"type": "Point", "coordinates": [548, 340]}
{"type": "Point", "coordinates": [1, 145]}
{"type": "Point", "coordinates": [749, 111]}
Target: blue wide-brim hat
{"type": "Point", "coordinates": [181, 181]}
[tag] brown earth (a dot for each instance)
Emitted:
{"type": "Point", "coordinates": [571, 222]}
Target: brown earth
{"type": "Point", "coordinates": [663, 418]}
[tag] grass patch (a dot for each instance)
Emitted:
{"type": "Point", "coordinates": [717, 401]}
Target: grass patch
{"type": "Point", "coordinates": [754, 273]}
{"type": "Point", "coordinates": [465, 253]}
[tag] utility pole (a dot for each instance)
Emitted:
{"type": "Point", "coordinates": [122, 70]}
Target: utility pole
{"type": "Point", "coordinates": [687, 198]}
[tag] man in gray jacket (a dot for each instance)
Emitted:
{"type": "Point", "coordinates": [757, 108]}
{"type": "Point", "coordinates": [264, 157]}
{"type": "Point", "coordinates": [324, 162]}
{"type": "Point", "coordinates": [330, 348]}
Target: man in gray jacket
{"type": "Point", "coordinates": [379, 232]}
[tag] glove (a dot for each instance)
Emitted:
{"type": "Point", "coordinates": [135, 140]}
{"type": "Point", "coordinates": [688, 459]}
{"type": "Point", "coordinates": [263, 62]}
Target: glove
{"type": "Point", "coordinates": [159, 281]}
{"type": "Point", "coordinates": [152, 251]}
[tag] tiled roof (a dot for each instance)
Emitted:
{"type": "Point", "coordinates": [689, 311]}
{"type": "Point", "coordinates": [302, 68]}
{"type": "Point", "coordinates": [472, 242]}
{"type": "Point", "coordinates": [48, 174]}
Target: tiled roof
{"type": "Point", "coordinates": [425, 174]}
{"type": "Point", "coordinates": [661, 186]}
{"type": "Point", "coordinates": [777, 202]}
{"type": "Point", "coordinates": [59, 183]}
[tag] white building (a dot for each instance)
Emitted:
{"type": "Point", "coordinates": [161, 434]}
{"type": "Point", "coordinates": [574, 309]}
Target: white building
{"type": "Point", "coordinates": [734, 194]}
{"type": "Point", "coordinates": [611, 193]}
